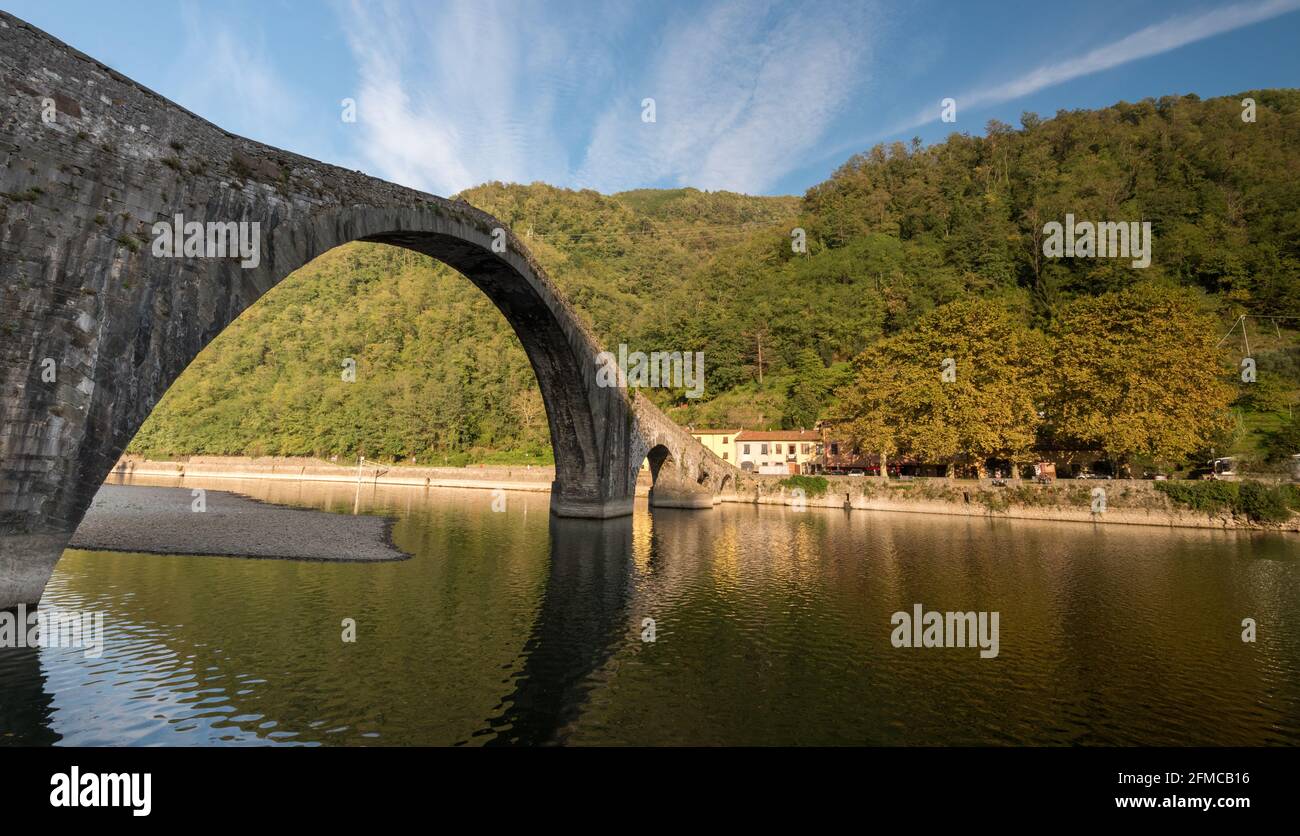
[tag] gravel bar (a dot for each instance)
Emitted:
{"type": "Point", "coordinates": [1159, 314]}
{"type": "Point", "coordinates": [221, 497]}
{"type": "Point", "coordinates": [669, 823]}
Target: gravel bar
{"type": "Point", "coordinates": [163, 521]}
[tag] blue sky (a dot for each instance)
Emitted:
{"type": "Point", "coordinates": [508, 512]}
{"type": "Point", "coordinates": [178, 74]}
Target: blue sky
{"type": "Point", "coordinates": [758, 97]}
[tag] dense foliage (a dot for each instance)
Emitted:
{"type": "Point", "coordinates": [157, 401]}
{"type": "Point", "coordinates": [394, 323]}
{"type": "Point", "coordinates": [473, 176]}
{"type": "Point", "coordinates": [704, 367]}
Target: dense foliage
{"type": "Point", "coordinates": [1259, 502]}
{"type": "Point", "coordinates": [966, 380]}
{"type": "Point", "coordinates": [894, 235]}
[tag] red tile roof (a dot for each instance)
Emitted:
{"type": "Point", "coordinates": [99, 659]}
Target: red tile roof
{"type": "Point", "coordinates": [779, 435]}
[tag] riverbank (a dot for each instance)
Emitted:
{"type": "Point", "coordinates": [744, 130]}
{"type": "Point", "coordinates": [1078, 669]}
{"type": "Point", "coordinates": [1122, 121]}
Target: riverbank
{"type": "Point", "coordinates": [1122, 501]}
{"type": "Point", "coordinates": [153, 520]}
{"type": "Point", "coordinates": [1127, 501]}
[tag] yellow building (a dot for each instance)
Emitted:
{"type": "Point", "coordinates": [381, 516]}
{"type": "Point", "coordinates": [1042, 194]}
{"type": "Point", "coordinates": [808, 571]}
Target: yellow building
{"type": "Point", "coordinates": [718, 442]}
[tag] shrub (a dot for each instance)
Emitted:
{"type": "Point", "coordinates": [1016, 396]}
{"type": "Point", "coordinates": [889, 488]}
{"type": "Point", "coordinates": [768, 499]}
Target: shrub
{"type": "Point", "coordinates": [994, 501]}
{"type": "Point", "coordinates": [1264, 504]}
{"type": "Point", "coordinates": [1255, 500]}
{"type": "Point", "coordinates": [1209, 497]}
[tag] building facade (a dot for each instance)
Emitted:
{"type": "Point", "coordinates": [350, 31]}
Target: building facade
{"type": "Point", "coordinates": [776, 452]}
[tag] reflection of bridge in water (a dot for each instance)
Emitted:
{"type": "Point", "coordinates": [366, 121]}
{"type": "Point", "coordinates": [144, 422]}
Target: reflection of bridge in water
{"type": "Point", "coordinates": [583, 619]}
{"type": "Point", "coordinates": [83, 294]}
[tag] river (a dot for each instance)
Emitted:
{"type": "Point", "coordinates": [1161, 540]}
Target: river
{"type": "Point", "coordinates": [769, 626]}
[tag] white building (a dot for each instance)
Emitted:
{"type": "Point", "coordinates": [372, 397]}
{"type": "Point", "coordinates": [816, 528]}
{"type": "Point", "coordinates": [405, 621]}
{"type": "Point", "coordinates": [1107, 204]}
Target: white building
{"type": "Point", "coordinates": [780, 451]}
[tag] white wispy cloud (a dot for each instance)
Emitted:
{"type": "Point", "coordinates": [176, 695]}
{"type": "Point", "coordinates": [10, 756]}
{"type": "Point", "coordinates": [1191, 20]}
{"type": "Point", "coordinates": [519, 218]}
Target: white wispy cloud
{"type": "Point", "coordinates": [229, 77]}
{"type": "Point", "coordinates": [463, 92]}
{"type": "Point", "coordinates": [1152, 40]}
{"type": "Point", "coordinates": [741, 92]}
{"type": "Point", "coordinates": [466, 92]}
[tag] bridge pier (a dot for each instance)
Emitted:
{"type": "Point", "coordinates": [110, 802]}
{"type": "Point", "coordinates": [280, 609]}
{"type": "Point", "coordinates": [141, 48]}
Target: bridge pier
{"type": "Point", "coordinates": [591, 509]}
{"type": "Point", "coordinates": [26, 563]}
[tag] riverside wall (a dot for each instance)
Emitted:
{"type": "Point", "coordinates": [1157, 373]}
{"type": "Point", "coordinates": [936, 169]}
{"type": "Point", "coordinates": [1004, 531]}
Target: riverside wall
{"type": "Point", "coordinates": [1128, 501]}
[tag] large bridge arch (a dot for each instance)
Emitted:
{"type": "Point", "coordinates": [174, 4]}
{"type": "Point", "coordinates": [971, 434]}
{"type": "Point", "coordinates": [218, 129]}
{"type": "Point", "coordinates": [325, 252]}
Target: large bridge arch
{"type": "Point", "coordinates": [588, 424]}
{"type": "Point", "coordinates": [82, 292]}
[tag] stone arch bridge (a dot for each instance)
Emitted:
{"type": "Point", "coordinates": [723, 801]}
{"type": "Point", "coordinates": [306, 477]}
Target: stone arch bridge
{"type": "Point", "coordinates": [90, 161]}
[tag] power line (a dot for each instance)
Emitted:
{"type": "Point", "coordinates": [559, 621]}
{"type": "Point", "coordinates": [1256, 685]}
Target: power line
{"type": "Point", "coordinates": [1241, 320]}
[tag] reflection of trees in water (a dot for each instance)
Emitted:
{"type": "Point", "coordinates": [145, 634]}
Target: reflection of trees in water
{"type": "Point", "coordinates": [582, 620]}
{"type": "Point", "coordinates": [25, 704]}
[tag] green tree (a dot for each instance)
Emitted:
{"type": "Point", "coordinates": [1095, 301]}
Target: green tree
{"type": "Point", "coordinates": [807, 393]}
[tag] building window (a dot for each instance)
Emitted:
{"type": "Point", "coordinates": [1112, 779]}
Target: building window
{"type": "Point", "coordinates": [835, 448]}
{"type": "Point", "coordinates": [746, 449]}
{"type": "Point", "coordinates": [724, 455]}
{"type": "Point", "coordinates": [807, 448]}
{"type": "Point", "coordinates": [762, 449]}
{"type": "Point", "coordinates": [724, 439]}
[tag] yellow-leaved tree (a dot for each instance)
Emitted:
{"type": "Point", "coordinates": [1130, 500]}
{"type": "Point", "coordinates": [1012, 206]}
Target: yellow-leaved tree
{"type": "Point", "coordinates": [1137, 374]}
{"type": "Point", "coordinates": [966, 382]}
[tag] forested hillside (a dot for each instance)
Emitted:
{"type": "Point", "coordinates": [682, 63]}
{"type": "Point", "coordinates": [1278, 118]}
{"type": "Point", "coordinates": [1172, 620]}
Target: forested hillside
{"type": "Point", "coordinates": [440, 377]}
{"type": "Point", "coordinates": [893, 235]}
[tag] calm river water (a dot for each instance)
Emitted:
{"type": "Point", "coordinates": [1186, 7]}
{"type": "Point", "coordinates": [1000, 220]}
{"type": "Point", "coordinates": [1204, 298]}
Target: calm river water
{"type": "Point", "coordinates": [771, 627]}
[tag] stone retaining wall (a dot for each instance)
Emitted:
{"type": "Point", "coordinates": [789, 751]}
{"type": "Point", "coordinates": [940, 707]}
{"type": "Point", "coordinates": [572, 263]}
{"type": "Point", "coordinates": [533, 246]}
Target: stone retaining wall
{"type": "Point", "coordinates": [1128, 501]}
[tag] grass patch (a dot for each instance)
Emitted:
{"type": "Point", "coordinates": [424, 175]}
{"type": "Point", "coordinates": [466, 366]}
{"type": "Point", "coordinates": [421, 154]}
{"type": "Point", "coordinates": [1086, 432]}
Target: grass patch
{"type": "Point", "coordinates": [810, 485]}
